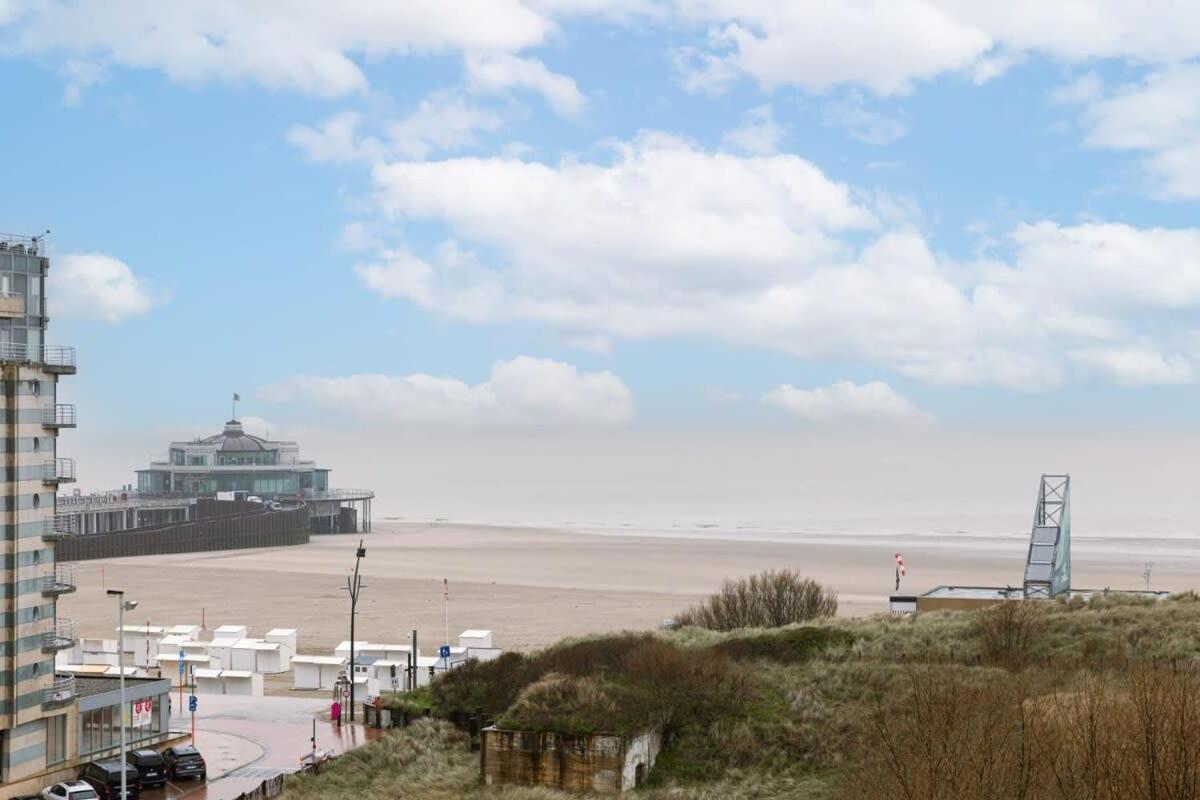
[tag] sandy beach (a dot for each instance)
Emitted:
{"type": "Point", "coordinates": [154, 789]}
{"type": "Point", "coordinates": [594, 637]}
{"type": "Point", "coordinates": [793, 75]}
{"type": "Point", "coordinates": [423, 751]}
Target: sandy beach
{"type": "Point", "coordinates": [534, 586]}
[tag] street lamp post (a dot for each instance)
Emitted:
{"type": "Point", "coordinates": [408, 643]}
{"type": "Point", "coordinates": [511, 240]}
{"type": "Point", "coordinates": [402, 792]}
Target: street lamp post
{"type": "Point", "coordinates": [123, 605]}
{"type": "Point", "coordinates": [354, 586]}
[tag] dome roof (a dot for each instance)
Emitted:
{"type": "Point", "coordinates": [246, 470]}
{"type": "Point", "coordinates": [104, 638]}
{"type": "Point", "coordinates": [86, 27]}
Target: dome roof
{"type": "Point", "coordinates": [235, 440]}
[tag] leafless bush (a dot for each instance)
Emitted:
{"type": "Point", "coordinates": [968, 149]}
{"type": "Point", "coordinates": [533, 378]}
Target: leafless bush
{"type": "Point", "coordinates": [770, 600]}
{"type": "Point", "coordinates": [1107, 739]}
{"type": "Point", "coordinates": [1009, 631]}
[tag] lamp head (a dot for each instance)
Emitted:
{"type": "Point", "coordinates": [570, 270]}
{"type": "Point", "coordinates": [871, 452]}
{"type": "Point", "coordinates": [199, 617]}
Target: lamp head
{"type": "Point", "coordinates": [129, 605]}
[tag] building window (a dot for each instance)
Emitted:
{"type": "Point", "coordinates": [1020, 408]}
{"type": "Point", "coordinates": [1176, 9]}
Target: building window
{"type": "Point", "coordinates": [56, 739]}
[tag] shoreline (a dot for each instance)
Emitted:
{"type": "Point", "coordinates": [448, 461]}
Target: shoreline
{"type": "Point", "coordinates": [534, 586]}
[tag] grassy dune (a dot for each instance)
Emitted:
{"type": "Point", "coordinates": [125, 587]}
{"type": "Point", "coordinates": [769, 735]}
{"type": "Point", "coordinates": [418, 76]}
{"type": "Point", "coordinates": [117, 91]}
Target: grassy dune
{"type": "Point", "coordinates": [1032, 700]}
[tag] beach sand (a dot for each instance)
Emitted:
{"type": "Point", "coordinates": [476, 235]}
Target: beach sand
{"type": "Point", "coordinates": [535, 586]}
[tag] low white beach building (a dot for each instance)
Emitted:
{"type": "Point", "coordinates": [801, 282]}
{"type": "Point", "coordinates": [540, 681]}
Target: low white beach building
{"type": "Point", "coordinates": [229, 682]}
{"type": "Point", "coordinates": [285, 638]}
{"type": "Point", "coordinates": [257, 655]}
{"type": "Point", "coordinates": [141, 642]}
{"type": "Point", "coordinates": [169, 664]}
{"type": "Point", "coordinates": [316, 672]}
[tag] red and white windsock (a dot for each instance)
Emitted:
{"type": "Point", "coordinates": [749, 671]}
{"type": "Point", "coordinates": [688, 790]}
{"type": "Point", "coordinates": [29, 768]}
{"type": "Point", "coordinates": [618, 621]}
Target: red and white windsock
{"type": "Point", "coordinates": [900, 565]}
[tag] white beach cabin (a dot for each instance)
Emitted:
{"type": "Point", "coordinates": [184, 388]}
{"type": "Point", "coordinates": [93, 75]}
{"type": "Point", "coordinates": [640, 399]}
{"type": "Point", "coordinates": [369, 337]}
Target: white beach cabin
{"type": "Point", "coordinates": [141, 642]}
{"type": "Point", "coordinates": [229, 682]}
{"type": "Point", "coordinates": [257, 655]}
{"type": "Point", "coordinates": [316, 672]}
{"type": "Point", "coordinates": [285, 638]}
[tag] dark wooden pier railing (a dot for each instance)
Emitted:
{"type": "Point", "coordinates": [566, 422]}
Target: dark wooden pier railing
{"type": "Point", "coordinates": [210, 532]}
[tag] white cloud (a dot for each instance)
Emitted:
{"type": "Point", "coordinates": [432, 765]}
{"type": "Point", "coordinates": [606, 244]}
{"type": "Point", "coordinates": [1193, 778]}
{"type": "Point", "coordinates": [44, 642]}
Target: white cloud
{"type": "Point", "coordinates": [1158, 117]}
{"type": "Point", "coordinates": [846, 402]}
{"type": "Point", "coordinates": [1136, 366]}
{"type": "Point", "coordinates": [596, 343]}
{"type": "Point", "coordinates": [336, 139]}
{"type": "Point", "coordinates": [500, 72]}
{"type": "Point", "coordinates": [81, 76]}
{"type": "Point", "coordinates": [443, 121]}
{"type": "Point", "coordinates": [760, 135]}
{"type": "Point", "coordinates": [308, 46]}
{"type": "Point", "coordinates": [862, 123]}
{"type": "Point", "coordinates": [669, 240]}
{"type": "Point", "coordinates": [96, 287]}
{"type": "Point", "coordinates": [523, 391]}
{"type": "Point", "coordinates": [887, 46]}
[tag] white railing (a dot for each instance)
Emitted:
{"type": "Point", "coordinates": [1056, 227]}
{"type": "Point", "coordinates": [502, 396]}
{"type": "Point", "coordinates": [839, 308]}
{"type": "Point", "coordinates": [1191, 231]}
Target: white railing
{"type": "Point", "coordinates": [61, 581]}
{"type": "Point", "coordinates": [58, 470]}
{"type": "Point", "coordinates": [59, 415]}
{"type": "Point", "coordinates": [62, 690]}
{"type": "Point", "coordinates": [60, 525]}
{"type": "Point", "coordinates": [59, 356]}
{"type": "Point", "coordinates": [60, 637]}
{"type": "Point", "coordinates": [12, 243]}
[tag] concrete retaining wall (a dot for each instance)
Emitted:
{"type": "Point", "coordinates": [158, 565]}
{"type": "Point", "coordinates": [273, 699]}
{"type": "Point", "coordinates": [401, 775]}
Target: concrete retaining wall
{"type": "Point", "coordinates": [597, 763]}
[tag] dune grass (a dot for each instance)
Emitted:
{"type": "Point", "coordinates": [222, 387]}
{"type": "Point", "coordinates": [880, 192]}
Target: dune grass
{"type": "Point", "coordinates": [827, 711]}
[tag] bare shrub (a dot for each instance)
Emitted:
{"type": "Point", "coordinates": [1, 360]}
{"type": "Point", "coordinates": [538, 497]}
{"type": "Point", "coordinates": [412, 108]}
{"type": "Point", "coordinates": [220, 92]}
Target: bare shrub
{"type": "Point", "coordinates": [1009, 631]}
{"type": "Point", "coordinates": [770, 600]}
{"type": "Point", "coordinates": [1113, 738]}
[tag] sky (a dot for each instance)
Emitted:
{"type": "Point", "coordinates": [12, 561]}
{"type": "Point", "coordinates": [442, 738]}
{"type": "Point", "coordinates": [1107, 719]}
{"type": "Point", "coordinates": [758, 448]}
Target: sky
{"type": "Point", "coordinates": [613, 215]}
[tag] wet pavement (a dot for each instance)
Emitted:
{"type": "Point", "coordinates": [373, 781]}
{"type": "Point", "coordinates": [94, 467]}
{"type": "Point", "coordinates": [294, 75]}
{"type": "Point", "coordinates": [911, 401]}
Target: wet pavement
{"type": "Point", "coordinates": [246, 740]}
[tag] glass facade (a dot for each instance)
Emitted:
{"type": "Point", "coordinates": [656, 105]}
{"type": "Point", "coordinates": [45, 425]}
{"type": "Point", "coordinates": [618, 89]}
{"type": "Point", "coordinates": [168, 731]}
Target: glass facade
{"type": "Point", "coordinates": [101, 728]}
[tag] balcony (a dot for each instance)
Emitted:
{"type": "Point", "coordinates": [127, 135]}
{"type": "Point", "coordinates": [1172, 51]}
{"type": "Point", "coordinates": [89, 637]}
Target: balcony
{"type": "Point", "coordinates": [62, 581]}
{"type": "Point", "coordinates": [59, 693]}
{"type": "Point", "coordinates": [59, 415]}
{"type": "Point", "coordinates": [60, 637]}
{"type": "Point", "coordinates": [58, 359]}
{"type": "Point", "coordinates": [60, 526]}
{"type": "Point", "coordinates": [53, 358]}
{"type": "Point", "coordinates": [58, 470]}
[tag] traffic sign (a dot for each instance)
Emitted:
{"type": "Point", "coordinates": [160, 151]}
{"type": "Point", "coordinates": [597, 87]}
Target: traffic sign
{"type": "Point", "coordinates": [192, 703]}
{"type": "Point", "coordinates": [444, 651]}
{"type": "Point", "coordinates": [181, 657]}
{"type": "Point", "coordinates": [345, 692]}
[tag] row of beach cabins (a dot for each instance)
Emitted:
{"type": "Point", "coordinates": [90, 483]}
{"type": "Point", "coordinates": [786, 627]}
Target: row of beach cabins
{"type": "Point", "coordinates": [232, 662]}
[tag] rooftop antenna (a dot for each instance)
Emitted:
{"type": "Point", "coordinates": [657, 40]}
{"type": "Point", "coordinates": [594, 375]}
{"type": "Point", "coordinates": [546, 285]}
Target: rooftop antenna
{"type": "Point", "coordinates": [236, 398]}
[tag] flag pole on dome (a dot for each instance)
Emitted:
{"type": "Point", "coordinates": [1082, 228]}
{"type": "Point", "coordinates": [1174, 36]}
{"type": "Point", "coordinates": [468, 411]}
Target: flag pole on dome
{"type": "Point", "coordinates": [236, 397]}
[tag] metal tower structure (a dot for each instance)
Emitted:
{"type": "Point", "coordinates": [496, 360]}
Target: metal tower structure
{"type": "Point", "coordinates": [1048, 566]}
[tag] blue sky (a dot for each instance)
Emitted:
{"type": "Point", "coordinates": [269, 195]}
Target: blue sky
{"type": "Point", "coordinates": [713, 213]}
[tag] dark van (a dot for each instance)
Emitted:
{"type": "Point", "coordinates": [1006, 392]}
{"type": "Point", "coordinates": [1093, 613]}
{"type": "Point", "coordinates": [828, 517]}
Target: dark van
{"type": "Point", "coordinates": [105, 778]}
{"type": "Point", "coordinates": [150, 765]}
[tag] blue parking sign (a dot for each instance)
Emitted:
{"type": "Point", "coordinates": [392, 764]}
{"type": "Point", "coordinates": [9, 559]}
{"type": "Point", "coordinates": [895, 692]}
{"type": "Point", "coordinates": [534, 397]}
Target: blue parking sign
{"type": "Point", "coordinates": [444, 651]}
{"type": "Point", "coordinates": [192, 703]}
{"type": "Point", "coordinates": [181, 655]}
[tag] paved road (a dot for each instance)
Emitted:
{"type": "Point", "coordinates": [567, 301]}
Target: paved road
{"type": "Point", "coordinates": [248, 739]}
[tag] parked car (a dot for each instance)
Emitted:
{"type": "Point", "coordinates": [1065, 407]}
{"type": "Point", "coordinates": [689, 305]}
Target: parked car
{"type": "Point", "coordinates": [70, 790]}
{"type": "Point", "coordinates": [185, 761]}
{"type": "Point", "coordinates": [105, 778]}
{"type": "Point", "coordinates": [150, 766]}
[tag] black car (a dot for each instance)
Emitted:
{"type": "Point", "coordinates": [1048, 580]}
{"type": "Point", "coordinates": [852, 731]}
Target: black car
{"type": "Point", "coordinates": [185, 761]}
{"type": "Point", "coordinates": [105, 778]}
{"type": "Point", "coordinates": [150, 765]}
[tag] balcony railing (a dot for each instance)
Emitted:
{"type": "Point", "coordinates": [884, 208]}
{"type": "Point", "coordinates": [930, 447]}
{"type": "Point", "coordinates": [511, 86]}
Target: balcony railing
{"type": "Point", "coordinates": [54, 358]}
{"type": "Point", "coordinates": [59, 415]}
{"type": "Point", "coordinates": [60, 526]}
{"type": "Point", "coordinates": [60, 692]}
{"type": "Point", "coordinates": [60, 637]}
{"type": "Point", "coordinates": [61, 582]}
{"type": "Point", "coordinates": [58, 470]}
